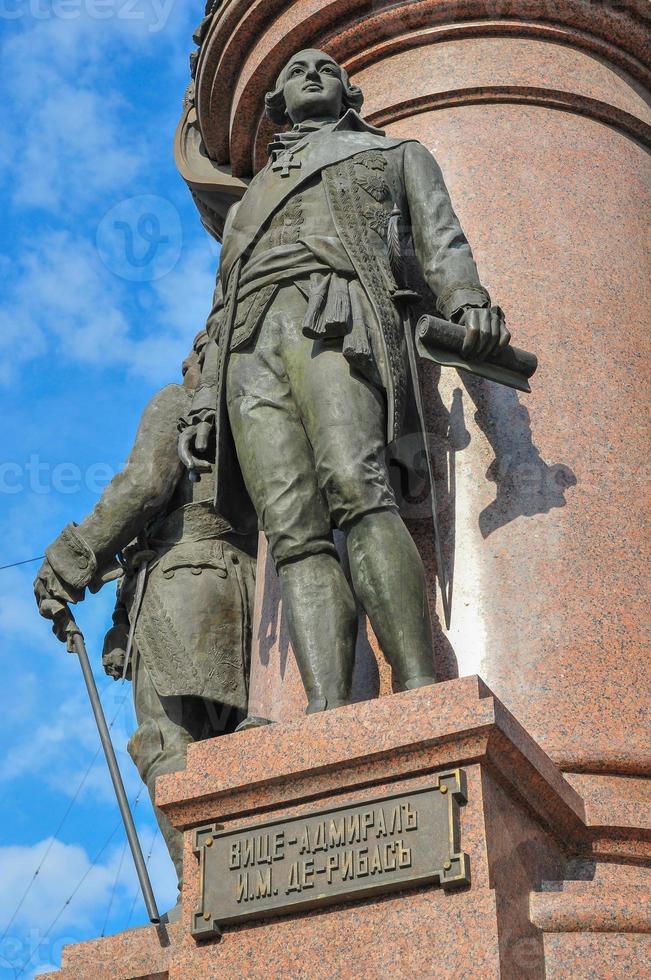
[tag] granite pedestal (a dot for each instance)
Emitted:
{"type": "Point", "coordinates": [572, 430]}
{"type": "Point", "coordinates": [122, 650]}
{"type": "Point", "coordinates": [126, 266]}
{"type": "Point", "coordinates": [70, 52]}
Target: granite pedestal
{"type": "Point", "coordinates": [554, 879]}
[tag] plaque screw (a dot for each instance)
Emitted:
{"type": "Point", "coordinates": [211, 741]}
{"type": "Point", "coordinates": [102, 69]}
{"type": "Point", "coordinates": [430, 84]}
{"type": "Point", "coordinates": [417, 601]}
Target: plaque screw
{"type": "Point", "coordinates": [443, 788]}
{"type": "Point", "coordinates": [209, 841]}
{"type": "Point", "coordinates": [447, 865]}
{"type": "Point", "coordinates": [207, 916]}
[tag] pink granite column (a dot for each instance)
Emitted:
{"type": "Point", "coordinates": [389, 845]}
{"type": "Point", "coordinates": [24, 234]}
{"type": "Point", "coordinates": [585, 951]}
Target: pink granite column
{"type": "Point", "coordinates": [542, 148]}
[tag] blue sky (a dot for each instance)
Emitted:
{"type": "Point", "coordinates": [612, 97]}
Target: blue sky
{"type": "Point", "coordinates": [106, 277]}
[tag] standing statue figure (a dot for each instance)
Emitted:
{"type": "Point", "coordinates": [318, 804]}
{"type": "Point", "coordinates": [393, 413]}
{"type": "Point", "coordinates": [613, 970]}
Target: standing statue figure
{"type": "Point", "coordinates": [307, 381]}
{"type": "Point", "coordinates": [185, 594]}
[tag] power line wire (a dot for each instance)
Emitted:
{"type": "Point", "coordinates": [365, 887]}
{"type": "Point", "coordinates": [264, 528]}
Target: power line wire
{"type": "Point", "coordinates": [28, 561]}
{"type": "Point", "coordinates": [83, 878]}
{"type": "Point", "coordinates": [137, 893]}
{"type": "Point", "coordinates": [65, 816]}
{"type": "Point", "coordinates": [119, 870]}
{"type": "Point", "coordinates": [53, 838]}
{"type": "Point", "coordinates": [70, 898]}
{"type": "Point", "coordinates": [113, 889]}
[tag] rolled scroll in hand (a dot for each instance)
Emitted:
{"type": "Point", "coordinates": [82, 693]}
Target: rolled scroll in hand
{"type": "Point", "coordinates": [441, 341]}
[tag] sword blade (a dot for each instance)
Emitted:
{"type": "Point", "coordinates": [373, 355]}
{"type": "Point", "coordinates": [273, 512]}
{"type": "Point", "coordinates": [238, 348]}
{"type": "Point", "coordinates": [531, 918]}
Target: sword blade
{"type": "Point", "coordinates": [396, 263]}
{"type": "Point", "coordinates": [438, 545]}
{"type": "Point", "coordinates": [135, 612]}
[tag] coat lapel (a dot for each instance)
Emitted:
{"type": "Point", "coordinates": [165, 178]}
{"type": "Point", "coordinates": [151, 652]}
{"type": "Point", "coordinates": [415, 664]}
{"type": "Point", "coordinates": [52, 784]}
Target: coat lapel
{"type": "Point", "coordinates": [268, 191]}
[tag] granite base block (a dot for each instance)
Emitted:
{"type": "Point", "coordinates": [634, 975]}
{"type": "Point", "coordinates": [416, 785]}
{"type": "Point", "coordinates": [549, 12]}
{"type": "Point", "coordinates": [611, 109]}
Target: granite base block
{"type": "Point", "coordinates": [538, 896]}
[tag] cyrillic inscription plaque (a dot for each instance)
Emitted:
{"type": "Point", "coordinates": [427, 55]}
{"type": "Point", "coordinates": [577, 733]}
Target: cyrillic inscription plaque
{"type": "Point", "coordinates": [396, 841]}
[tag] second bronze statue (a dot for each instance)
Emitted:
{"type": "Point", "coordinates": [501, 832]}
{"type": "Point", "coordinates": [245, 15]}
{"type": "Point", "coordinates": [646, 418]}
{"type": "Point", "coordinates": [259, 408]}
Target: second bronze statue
{"type": "Point", "coordinates": [185, 595]}
{"type": "Point", "coordinates": [306, 381]}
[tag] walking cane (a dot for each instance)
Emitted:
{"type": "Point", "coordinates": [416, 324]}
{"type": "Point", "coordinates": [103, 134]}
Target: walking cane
{"type": "Point", "coordinates": [76, 644]}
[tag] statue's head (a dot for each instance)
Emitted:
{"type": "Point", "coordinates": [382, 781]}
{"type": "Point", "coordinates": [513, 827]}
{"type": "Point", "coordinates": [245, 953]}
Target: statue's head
{"type": "Point", "coordinates": [312, 86]}
{"type": "Point", "coordinates": [194, 361]}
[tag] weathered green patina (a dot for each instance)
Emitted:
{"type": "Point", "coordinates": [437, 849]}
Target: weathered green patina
{"type": "Point", "coordinates": [307, 382]}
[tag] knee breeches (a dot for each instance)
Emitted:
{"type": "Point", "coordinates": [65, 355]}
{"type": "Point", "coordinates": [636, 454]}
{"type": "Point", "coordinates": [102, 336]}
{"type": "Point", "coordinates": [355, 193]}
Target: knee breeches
{"type": "Point", "coordinates": [309, 433]}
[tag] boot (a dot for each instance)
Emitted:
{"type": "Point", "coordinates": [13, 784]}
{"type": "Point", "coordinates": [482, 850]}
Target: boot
{"type": "Point", "coordinates": [322, 623]}
{"type": "Point", "coordinates": [252, 721]}
{"type": "Point", "coordinates": [389, 581]}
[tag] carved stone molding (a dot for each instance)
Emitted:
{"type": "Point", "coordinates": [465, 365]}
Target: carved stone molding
{"type": "Point", "coordinates": [245, 46]}
{"type": "Point", "coordinates": [550, 98]}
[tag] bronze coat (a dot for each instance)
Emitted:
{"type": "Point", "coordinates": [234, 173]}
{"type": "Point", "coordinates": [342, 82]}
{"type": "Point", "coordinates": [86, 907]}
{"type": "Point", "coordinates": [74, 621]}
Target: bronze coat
{"type": "Point", "coordinates": [365, 175]}
{"type": "Point", "coordinates": [193, 626]}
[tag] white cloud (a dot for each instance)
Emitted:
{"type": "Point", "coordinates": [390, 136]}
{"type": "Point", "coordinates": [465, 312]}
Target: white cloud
{"type": "Point", "coordinates": [182, 301]}
{"type": "Point", "coordinates": [48, 731]}
{"type": "Point", "coordinates": [20, 623]}
{"type": "Point", "coordinates": [69, 132]}
{"type": "Point", "coordinates": [64, 867]}
{"type": "Point", "coordinates": [58, 751]}
{"type": "Point", "coordinates": [60, 291]}
{"type": "Point", "coordinates": [74, 141]}
{"type": "Point", "coordinates": [67, 136]}
{"type": "Point", "coordinates": [16, 348]}
{"type": "Point", "coordinates": [70, 727]}
{"type": "Point", "coordinates": [73, 144]}
{"type": "Point", "coordinates": [17, 609]}
{"type": "Point", "coordinates": [71, 148]}
{"type": "Point", "coordinates": [64, 301]}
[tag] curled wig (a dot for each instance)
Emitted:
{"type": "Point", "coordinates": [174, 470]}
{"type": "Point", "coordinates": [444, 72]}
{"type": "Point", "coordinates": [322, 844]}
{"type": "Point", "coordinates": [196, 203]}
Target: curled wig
{"type": "Point", "coordinates": [275, 101]}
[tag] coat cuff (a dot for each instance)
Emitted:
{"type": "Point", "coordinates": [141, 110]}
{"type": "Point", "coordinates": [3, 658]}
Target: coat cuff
{"type": "Point", "coordinates": [71, 558]}
{"type": "Point", "coordinates": [460, 297]}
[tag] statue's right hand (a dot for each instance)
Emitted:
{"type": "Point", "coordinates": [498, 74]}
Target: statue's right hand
{"type": "Point", "coordinates": [52, 596]}
{"type": "Point", "coordinates": [193, 442]}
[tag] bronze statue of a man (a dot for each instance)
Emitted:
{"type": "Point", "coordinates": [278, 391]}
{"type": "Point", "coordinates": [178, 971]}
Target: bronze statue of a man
{"type": "Point", "coordinates": [185, 594]}
{"type": "Point", "coordinates": [307, 382]}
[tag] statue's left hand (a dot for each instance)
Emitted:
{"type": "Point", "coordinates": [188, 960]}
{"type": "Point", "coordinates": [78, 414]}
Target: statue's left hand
{"type": "Point", "coordinates": [485, 332]}
{"type": "Point", "coordinates": [114, 652]}
{"type": "Point", "coordinates": [193, 443]}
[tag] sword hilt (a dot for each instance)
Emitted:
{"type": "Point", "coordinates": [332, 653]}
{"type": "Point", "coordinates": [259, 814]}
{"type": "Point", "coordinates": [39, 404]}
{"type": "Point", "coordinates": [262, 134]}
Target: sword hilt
{"type": "Point", "coordinates": [405, 296]}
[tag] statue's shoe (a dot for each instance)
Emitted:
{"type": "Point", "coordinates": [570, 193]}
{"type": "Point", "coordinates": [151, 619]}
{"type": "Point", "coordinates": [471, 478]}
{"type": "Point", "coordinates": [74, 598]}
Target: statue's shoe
{"type": "Point", "coordinates": [415, 682]}
{"type": "Point", "coordinates": [174, 915]}
{"type": "Point", "coordinates": [251, 721]}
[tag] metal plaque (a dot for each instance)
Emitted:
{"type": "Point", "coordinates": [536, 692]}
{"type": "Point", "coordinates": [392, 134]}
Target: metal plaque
{"type": "Point", "coordinates": [395, 841]}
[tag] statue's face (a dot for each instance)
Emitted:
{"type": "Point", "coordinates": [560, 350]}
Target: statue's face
{"type": "Point", "coordinates": [313, 87]}
{"type": "Point", "coordinates": [191, 370]}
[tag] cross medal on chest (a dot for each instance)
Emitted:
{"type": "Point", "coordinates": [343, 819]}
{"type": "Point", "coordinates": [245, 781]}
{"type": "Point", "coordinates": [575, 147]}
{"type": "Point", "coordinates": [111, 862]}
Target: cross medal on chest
{"type": "Point", "coordinates": [286, 164]}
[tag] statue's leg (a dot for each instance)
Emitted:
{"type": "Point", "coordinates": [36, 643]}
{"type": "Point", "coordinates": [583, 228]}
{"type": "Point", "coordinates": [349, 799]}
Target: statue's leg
{"type": "Point", "coordinates": [278, 466]}
{"type": "Point", "coordinates": [166, 726]}
{"type": "Point", "coordinates": [344, 417]}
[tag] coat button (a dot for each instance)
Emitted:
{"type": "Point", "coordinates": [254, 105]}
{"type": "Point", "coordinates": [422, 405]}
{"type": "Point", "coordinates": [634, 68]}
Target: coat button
{"type": "Point", "coordinates": [82, 562]}
{"type": "Point", "coordinates": [196, 571]}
